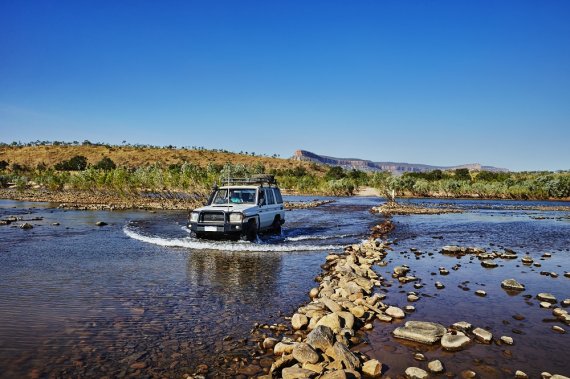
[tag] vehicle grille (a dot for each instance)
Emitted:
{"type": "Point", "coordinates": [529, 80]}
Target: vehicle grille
{"type": "Point", "coordinates": [213, 217]}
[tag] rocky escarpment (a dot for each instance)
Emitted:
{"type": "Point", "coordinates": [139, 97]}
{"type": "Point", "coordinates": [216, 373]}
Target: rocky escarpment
{"type": "Point", "coordinates": [393, 167]}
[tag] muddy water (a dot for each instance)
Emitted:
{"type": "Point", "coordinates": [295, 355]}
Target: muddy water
{"type": "Point", "coordinates": [493, 226]}
{"type": "Point", "coordinates": [139, 297]}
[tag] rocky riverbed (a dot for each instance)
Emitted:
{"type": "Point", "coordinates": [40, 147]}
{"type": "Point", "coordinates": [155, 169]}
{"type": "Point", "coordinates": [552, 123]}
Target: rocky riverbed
{"type": "Point", "coordinates": [391, 208]}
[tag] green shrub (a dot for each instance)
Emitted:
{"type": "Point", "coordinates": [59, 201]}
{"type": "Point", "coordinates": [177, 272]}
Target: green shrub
{"type": "Point", "coordinates": [77, 163]}
{"type": "Point", "coordinates": [106, 164]}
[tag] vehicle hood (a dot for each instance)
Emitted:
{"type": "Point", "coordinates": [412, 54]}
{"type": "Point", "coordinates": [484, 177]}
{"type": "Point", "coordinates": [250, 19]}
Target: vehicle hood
{"type": "Point", "coordinates": [227, 208]}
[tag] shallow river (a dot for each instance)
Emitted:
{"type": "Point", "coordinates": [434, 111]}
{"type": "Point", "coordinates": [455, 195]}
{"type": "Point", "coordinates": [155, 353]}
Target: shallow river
{"type": "Point", "coordinates": [140, 297]}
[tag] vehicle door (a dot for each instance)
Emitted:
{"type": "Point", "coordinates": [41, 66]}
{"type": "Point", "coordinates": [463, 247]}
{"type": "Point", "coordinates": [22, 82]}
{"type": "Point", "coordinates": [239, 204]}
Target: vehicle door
{"type": "Point", "coordinates": [264, 208]}
{"type": "Point", "coordinates": [272, 206]}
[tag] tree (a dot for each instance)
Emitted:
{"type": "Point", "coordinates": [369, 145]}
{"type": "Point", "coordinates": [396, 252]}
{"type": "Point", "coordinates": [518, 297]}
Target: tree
{"type": "Point", "coordinates": [462, 174]}
{"type": "Point", "coordinates": [3, 165]}
{"type": "Point", "coordinates": [106, 164]}
{"type": "Point", "coordinates": [77, 163]}
{"type": "Point", "coordinates": [335, 173]}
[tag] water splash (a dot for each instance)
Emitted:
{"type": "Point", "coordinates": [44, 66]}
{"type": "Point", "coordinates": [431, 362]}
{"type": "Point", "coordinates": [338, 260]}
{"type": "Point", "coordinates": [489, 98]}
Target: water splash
{"type": "Point", "coordinates": [193, 243]}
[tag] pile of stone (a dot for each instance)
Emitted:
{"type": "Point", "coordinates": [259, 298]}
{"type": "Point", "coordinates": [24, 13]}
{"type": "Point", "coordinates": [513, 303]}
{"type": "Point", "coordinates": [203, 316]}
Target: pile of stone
{"type": "Point", "coordinates": [306, 204]}
{"type": "Point", "coordinates": [481, 254]}
{"type": "Point", "coordinates": [325, 328]}
{"type": "Point", "coordinates": [393, 208]}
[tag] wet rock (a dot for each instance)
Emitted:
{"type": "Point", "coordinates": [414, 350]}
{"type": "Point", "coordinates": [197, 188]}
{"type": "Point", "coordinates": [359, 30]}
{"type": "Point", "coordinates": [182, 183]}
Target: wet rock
{"type": "Point", "coordinates": [304, 353]}
{"type": "Point", "coordinates": [55, 223]}
{"type": "Point", "coordinates": [558, 329]}
{"type": "Point", "coordinates": [395, 312]}
{"type": "Point", "coordinates": [520, 375]}
{"type": "Point", "coordinates": [454, 341]}
{"type": "Point", "coordinates": [297, 373]}
{"type": "Point", "coordinates": [463, 326]}
{"type": "Point", "coordinates": [443, 271]}
{"type": "Point", "coordinates": [507, 340]}
{"type": "Point", "coordinates": [439, 285]}
{"type": "Point", "coordinates": [512, 285]}
{"type": "Point", "coordinates": [283, 348]}
{"type": "Point", "coordinates": [101, 223]}
{"type": "Point", "coordinates": [481, 293]}
{"type": "Point", "coordinates": [420, 331]}
{"type": "Point", "coordinates": [527, 260]}
{"type": "Point", "coordinates": [543, 296]}
{"type": "Point", "coordinates": [544, 304]}
{"type": "Point", "coordinates": [567, 274]}
{"type": "Point", "coordinates": [565, 303]}
{"type": "Point", "coordinates": [468, 374]}
{"type": "Point", "coordinates": [413, 298]}
{"type": "Point", "coordinates": [372, 368]}
{"type": "Point", "coordinates": [451, 249]}
{"type": "Point", "coordinates": [489, 264]}
{"type": "Point", "coordinates": [401, 270]}
{"type": "Point", "coordinates": [269, 343]}
{"type": "Point", "coordinates": [321, 338]}
{"type": "Point", "coordinates": [416, 373]}
{"type": "Point", "coordinates": [557, 376]}
{"type": "Point", "coordinates": [419, 357]}
{"type": "Point", "coordinates": [482, 335]}
{"type": "Point", "coordinates": [409, 308]}
{"type": "Point", "coordinates": [436, 367]}
{"type": "Point", "coordinates": [299, 321]}
{"type": "Point", "coordinates": [26, 226]}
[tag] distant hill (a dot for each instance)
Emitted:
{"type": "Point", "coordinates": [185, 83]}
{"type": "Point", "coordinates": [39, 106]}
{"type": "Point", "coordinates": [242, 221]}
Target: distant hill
{"type": "Point", "coordinates": [393, 167]}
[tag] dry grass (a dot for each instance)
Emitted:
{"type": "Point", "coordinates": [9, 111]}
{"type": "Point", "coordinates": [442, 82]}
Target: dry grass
{"type": "Point", "coordinates": [126, 156]}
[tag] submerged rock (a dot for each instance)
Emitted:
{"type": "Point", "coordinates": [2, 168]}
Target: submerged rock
{"type": "Point", "coordinates": [436, 366]}
{"type": "Point", "coordinates": [420, 331]}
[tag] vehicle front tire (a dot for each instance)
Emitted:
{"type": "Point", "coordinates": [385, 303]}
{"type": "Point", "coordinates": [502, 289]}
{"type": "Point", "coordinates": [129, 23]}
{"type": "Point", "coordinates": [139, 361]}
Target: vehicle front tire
{"type": "Point", "coordinates": [250, 232]}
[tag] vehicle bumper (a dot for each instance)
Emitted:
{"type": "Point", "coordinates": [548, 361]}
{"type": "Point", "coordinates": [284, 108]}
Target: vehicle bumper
{"type": "Point", "coordinates": [216, 228]}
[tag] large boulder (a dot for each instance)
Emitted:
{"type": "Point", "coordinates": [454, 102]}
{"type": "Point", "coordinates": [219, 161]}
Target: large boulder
{"type": "Point", "coordinates": [321, 338]}
{"type": "Point", "coordinates": [420, 331]}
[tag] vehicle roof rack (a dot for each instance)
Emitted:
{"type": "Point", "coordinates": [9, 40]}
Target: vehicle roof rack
{"type": "Point", "coordinates": [255, 179]}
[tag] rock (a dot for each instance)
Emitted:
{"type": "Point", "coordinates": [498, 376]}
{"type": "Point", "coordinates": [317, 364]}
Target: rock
{"type": "Point", "coordinates": [565, 303]}
{"type": "Point", "coordinates": [420, 331]}
{"type": "Point", "coordinates": [439, 285]}
{"type": "Point", "coordinates": [489, 263]}
{"type": "Point", "coordinates": [443, 271]}
{"type": "Point", "coordinates": [451, 249]}
{"type": "Point", "coordinates": [512, 284]}
{"type": "Point", "coordinates": [284, 361]}
{"type": "Point", "coordinates": [321, 338]}
{"type": "Point", "coordinates": [332, 321]}
{"type": "Point", "coordinates": [544, 304]}
{"type": "Point", "coordinates": [556, 376]}
{"type": "Point", "coordinates": [283, 348]}
{"type": "Point", "coordinates": [436, 367]}
{"type": "Point", "coordinates": [401, 270]}
{"type": "Point", "coordinates": [395, 312]}
{"type": "Point", "coordinates": [482, 335]}
{"type": "Point", "coordinates": [419, 357]}
{"type": "Point", "coordinates": [269, 343]}
{"type": "Point", "coordinates": [481, 293]}
{"type": "Point", "coordinates": [409, 308]}
{"type": "Point", "coordinates": [304, 353]}
{"type": "Point", "coordinates": [558, 329]}
{"type": "Point", "coordinates": [314, 292]}
{"type": "Point", "coordinates": [313, 367]}
{"type": "Point", "coordinates": [341, 353]}
{"type": "Point", "coordinates": [337, 374]}
{"type": "Point", "coordinates": [55, 223]}
{"type": "Point", "coordinates": [507, 340]}
{"type": "Point", "coordinates": [520, 375]}
{"type": "Point", "coordinates": [543, 296]}
{"type": "Point", "coordinates": [299, 321]}
{"type": "Point", "coordinates": [463, 326]}
{"type": "Point", "coordinates": [545, 375]}
{"type": "Point", "coordinates": [468, 374]}
{"type": "Point", "coordinates": [412, 298]}
{"type": "Point", "coordinates": [416, 373]}
{"type": "Point", "coordinates": [372, 368]}
{"type": "Point", "coordinates": [527, 260]}
{"type": "Point", "coordinates": [26, 226]}
{"type": "Point", "coordinates": [348, 319]}
{"type": "Point", "coordinates": [297, 373]}
{"type": "Point", "coordinates": [454, 341]}
{"type": "Point", "coordinates": [101, 223]}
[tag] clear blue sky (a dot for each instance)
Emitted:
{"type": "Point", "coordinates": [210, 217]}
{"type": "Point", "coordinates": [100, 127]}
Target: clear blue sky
{"type": "Point", "coordinates": [436, 82]}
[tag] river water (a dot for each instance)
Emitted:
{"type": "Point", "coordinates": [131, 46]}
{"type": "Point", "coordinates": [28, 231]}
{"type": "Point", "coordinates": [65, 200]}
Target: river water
{"type": "Point", "coordinates": [140, 297]}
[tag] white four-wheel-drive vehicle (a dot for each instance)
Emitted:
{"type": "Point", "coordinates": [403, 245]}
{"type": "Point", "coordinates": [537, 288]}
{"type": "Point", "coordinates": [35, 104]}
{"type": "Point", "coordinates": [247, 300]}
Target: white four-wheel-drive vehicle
{"type": "Point", "coordinates": [240, 208]}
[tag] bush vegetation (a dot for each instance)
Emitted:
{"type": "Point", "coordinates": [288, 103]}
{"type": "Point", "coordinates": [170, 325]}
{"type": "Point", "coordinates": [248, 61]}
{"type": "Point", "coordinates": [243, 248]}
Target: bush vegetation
{"type": "Point", "coordinates": [103, 174]}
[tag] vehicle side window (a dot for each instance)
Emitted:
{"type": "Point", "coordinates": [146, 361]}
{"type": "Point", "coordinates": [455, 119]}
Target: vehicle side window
{"type": "Point", "coordinates": [270, 198]}
{"type": "Point", "coordinates": [278, 196]}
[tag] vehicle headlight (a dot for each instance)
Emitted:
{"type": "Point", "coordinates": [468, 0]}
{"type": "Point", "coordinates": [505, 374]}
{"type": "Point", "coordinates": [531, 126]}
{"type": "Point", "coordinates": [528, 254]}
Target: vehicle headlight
{"type": "Point", "coordinates": [236, 218]}
{"type": "Point", "coordinates": [194, 216]}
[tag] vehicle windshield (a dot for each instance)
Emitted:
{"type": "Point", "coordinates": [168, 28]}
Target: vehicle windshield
{"type": "Point", "coordinates": [236, 196]}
